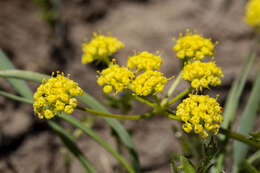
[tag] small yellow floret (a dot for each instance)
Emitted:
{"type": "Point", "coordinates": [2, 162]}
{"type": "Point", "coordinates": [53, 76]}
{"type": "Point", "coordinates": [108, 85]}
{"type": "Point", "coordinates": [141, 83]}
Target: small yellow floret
{"type": "Point", "coordinates": [56, 95]}
{"type": "Point", "coordinates": [100, 48]}
{"type": "Point", "coordinates": [202, 74]}
{"type": "Point", "coordinates": [200, 113]}
{"type": "Point", "coordinates": [149, 82]}
{"type": "Point", "coordinates": [193, 46]}
{"type": "Point", "coordinates": [115, 78]}
{"type": "Point", "coordinates": [252, 16]}
{"type": "Point", "coordinates": [144, 61]}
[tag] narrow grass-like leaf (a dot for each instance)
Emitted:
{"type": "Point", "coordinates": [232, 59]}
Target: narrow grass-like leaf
{"type": "Point", "coordinates": [235, 93]}
{"type": "Point", "coordinates": [98, 139]}
{"type": "Point", "coordinates": [79, 125]}
{"type": "Point", "coordinates": [69, 141]}
{"type": "Point", "coordinates": [250, 168]}
{"type": "Point", "coordinates": [19, 85]}
{"type": "Point", "coordinates": [246, 124]}
{"type": "Point", "coordinates": [88, 100]}
{"type": "Point", "coordinates": [233, 101]}
{"type": "Point", "coordinates": [186, 165]}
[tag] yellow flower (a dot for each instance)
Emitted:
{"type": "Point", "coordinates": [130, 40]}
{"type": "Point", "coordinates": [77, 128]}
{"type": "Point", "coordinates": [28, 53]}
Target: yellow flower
{"type": "Point", "coordinates": [115, 78]}
{"type": "Point", "coordinates": [56, 95]}
{"type": "Point", "coordinates": [202, 74]}
{"type": "Point", "coordinates": [252, 16]}
{"type": "Point", "coordinates": [144, 61]}
{"type": "Point", "coordinates": [100, 48]}
{"type": "Point", "coordinates": [200, 113]}
{"type": "Point", "coordinates": [149, 82]}
{"type": "Point", "coordinates": [193, 46]}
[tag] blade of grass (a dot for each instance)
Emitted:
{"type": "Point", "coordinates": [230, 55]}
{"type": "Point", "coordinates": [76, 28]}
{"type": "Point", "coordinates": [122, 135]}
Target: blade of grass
{"type": "Point", "coordinates": [19, 85]}
{"type": "Point", "coordinates": [246, 124]}
{"type": "Point", "coordinates": [233, 101]}
{"type": "Point", "coordinates": [186, 165]}
{"type": "Point", "coordinates": [80, 125]}
{"type": "Point", "coordinates": [69, 141]}
{"type": "Point", "coordinates": [98, 139]}
{"type": "Point", "coordinates": [88, 100]}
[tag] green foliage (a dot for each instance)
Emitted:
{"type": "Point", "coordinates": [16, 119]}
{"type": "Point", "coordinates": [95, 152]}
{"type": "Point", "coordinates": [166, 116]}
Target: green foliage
{"type": "Point", "coordinates": [246, 124]}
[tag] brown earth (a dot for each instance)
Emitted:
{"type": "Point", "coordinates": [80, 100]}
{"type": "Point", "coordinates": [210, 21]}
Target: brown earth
{"type": "Point", "coordinates": [27, 145]}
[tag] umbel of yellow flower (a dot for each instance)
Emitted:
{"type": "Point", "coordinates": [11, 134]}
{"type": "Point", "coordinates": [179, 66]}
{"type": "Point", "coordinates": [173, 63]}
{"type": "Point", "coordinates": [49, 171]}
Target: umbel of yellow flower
{"type": "Point", "coordinates": [202, 74]}
{"type": "Point", "coordinates": [193, 46]}
{"type": "Point", "coordinates": [149, 82]}
{"type": "Point", "coordinates": [144, 61]}
{"type": "Point", "coordinates": [100, 48]}
{"type": "Point", "coordinates": [252, 16]}
{"type": "Point", "coordinates": [56, 95]}
{"type": "Point", "coordinates": [115, 78]}
{"type": "Point", "coordinates": [200, 113]}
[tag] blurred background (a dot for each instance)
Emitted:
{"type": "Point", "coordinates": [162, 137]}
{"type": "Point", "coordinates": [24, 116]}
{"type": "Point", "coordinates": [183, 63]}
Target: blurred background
{"type": "Point", "coordinates": [46, 35]}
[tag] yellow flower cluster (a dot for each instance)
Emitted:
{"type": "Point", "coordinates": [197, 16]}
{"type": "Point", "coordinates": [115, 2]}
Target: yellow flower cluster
{"type": "Point", "coordinates": [148, 82]}
{"type": "Point", "coordinates": [252, 16]}
{"type": "Point", "coordinates": [100, 48]}
{"type": "Point", "coordinates": [56, 95]}
{"type": "Point", "coordinates": [193, 46]}
{"type": "Point", "coordinates": [144, 61]}
{"type": "Point", "coordinates": [200, 113]}
{"type": "Point", "coordinates": [202, 74]}
{"type": "Point", "coordinates": [115, 78]}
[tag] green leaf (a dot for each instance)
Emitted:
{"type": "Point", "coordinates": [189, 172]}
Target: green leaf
{"type": "Point", "coordinates": [187, 165]}
{"type": "Point", "coordinates": [88, 100]}
{"type": "Point", "coordinates": [235, 93]}
{"type": "Point", "coordinates": [79, 125]}
{"type": "Point", "coordinates": [255, 135]}
{"type": "Point", "coordinates": [174, 167]}
{"type": "Point", "coordinates": [19, 85]}
{"type": "Point", "coordinates": [250, 168]}
{"type": "Point", "coordinates": [233, 101]}
{"type": "Point", "coordinates": [69, 141]}
{"type": "Point", "coordinates": [98, 139]}
{"type": "Point", "coordinates": [246, 124]}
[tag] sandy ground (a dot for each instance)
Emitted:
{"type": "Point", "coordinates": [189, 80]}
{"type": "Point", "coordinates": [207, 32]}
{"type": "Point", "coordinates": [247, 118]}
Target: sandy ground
{"type": "Point", "coordinates": [28, 145]}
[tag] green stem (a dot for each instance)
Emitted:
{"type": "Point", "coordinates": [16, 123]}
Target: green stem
{"type": "Point", "coordinates": [174, 117]}
{"type": "Point", "coordinates": [172, 88]}
{"type": "Point", "coordinates": [69, 141]}
{"type": "Point", "coordinates": [17, 98]}
{"type": "Point", "coordinates": [254, 157]}
{"type": "Point", "coordinates": [145, 101]}
{"type": "Point", "coordinates": [239, 137]}
{"type": "Point", "coordinates": [179, 96]}
{"type": "Point", "coordinates": [124, 117]}
{"type": "Point", "coordinates": [174, 84]}
{"type": "Point", "coordinates": [98, 139]}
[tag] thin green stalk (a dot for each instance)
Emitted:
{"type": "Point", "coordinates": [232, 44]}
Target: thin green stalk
{"type": "Point", "coordinates": [254, 157]}
{"type": "Point", "coordinates": [145, 101]}
{"type": "Point", "coordinates": [249, 167]}
{"type": "Point", "coordinates": [239, 137]}
{"type": "Point", "coordinates": [174, 84]}
{"type": "Point", "coordinates": [66, 138]}
{"type": "Point", "coordinates": [172, 88]}
{"type": "Point", "coordinates": [98, 139]}
{"type": "Point", "coordinates": [79, 125]}
{"type": "Point", "coordinates": [124, 117]}
{"type": "Point", "coordinates": [174, 117]}
{"type": "Point", "coordinates": [17, 98]}
{"type": "Point", "coordinates": [69, 141]}
{"type": "Point", "coordinates": [179, 96]}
